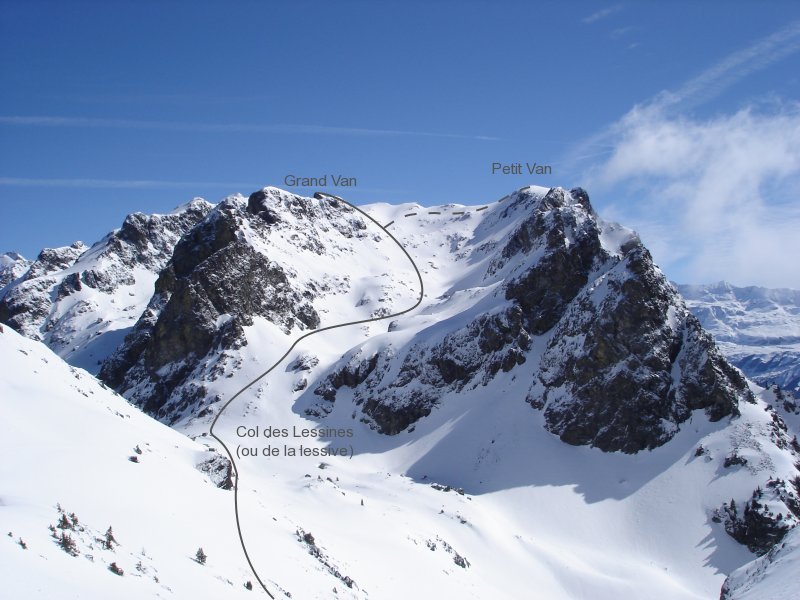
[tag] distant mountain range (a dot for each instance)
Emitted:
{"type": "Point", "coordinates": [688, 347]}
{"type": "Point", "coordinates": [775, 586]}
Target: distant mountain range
{"type": "Point", "coordinates": [756, 328]}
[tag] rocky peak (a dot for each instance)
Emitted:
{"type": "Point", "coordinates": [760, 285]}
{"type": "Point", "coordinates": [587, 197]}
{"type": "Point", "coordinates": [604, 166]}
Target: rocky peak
{"type": "Point", "coordinates": [613, 357]}
{"type": "Point", "coordinates": [233, 266]}
{"type": "Point", "coordinates": [148, 239]}
{"type": "Point", "coordinates": [12, 267]}
{"type": "Point", "coordinates": [59, 298]}
{"type": "Point", "coordinates": [52, 260]}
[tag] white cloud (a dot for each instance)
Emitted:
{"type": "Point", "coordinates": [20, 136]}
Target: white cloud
{"type": "Point", "coordinates": [58, 121]}
{"type": "Point", "coordinates": [118, 183]}
{"type": "Point", "coordinates": [714, 199]}
{"type": "Point", "coordinates": [602, 13]}
{"type": "Point", "coordinates": [710, 83]}
{"type": "Point", "coordinates": [735, 67]}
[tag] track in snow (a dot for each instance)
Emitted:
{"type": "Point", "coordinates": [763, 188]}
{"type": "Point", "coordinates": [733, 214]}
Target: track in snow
{"type": "Point", "coordinates": [318, 196]}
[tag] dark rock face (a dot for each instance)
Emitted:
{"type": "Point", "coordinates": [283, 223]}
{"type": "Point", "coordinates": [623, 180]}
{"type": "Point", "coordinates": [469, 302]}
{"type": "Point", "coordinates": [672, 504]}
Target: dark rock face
{"type": "Point", "coordinates": [619, 380]}
{"type": "Point", "coordinates": [617, 330]}
{"type": "Point", "coordinates": [213, 287]}
{"type": "Point", "coordinates": [545, 290]}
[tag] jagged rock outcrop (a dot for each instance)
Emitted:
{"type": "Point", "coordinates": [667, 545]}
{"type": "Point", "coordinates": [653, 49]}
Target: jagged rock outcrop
{"type": "Point", "coordinates": [26, 305]}
{"type": "Point", "coordinates": [624, 368]}
{"type": "Point", "coordinates": [773, 509]}
{"type": "Point", "coordinates": [765, 518]}
{"type": "Point", "coordinates": [219, 470]}
{"type": "Point", "coordinates": [214, 285]}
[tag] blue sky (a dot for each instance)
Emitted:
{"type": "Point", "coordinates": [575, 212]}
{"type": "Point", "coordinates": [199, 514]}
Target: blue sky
{"type": "Point", "coordinates": [681, 119]}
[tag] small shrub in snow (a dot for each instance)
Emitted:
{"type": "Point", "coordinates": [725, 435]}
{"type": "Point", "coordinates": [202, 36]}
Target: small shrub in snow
{"type": "Point", "coordinates": [64, 522]}
{"type": "Point", "coordinates": [67, 544]}
{"type": "Point", "coordinates": [109, 540]}
{"type": "Point", "coordinates": [200, 556]}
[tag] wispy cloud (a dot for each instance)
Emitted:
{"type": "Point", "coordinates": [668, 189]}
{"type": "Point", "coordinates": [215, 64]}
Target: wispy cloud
{"type": "Point", "coordinates": [711, 197]}
{"type": "Point", "coordinates": [193, 186]}
{"type": "Point", "coordinates": [59, 121]}
{"type": "Point", "coordinates": [699, 89]}
{"type": "Point", "coordinates": [120, 183]}
{"type": "Point", "coordinates": [733, 68]}
{"type": "Point", "coordinates": [621, 31]}
{"type": "Point", "coordinates": [602, 13]}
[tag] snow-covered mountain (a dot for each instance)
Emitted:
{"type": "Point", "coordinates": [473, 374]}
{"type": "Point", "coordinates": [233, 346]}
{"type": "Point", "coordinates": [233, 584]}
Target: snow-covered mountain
{"type": "Point", "coordinates": [523, 401]}
{"type": "Point", "coordinates": [757, 329]}
{"type": "Point", "coordinates": [12, 266]}
{"type": "Point", "coordinates": [536, 286]}
{"type": "Point", "coordinates": [82, 301]}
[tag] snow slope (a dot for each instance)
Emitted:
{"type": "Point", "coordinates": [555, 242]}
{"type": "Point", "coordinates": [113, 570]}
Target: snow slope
{"type": "Point", "coordinates": [774, 576]}
{"type": "Point", "coordinates": [574, 523]}
{"type": "Point", "coordinates": [66, 440]}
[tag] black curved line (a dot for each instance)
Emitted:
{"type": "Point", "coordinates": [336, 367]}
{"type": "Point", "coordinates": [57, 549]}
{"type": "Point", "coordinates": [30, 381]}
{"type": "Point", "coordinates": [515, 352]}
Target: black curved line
{"type": "Point", "coordinates": [318, 196]}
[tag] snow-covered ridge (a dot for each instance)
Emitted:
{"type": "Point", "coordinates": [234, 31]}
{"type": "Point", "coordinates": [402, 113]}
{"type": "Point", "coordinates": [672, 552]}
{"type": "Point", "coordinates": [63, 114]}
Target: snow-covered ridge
{"type": "Point", "coordinates": [12, 266]}
{"type": "Point", "coordinates": [81, 301]}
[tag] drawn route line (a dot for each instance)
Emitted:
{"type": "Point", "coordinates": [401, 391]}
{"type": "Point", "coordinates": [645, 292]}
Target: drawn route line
{"type": "Point", "coordinates": [318, 196]}
{"type": "Point", "coordinates": [436, 212]}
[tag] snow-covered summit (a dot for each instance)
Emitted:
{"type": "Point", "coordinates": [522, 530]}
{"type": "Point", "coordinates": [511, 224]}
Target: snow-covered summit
{"type": "Point", "coordinates": [12, 266]}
